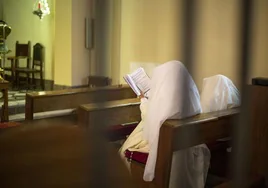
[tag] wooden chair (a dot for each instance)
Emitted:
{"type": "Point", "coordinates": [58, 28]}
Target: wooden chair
{"type": "Point", "coordinates": [37, 67]}
{"type": "Point", "coordinates": [97, 81]}
{"type": "Point", "coordinates": [22, 51]}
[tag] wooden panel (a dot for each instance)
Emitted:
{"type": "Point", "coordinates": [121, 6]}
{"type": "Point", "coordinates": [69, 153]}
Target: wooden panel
{"type": "Point", "coordinates": [259, 129]}
{"type": "Point", "coordinates": [45, 94]}
{"type": "Point", "coordinates": [72, 98]}
{"type": "Point", "coordinates": [203, 117]}
{"type": "Point", "coordinates": [75, 99]}
{"type": "Point", "coordinates": [83, 117]}
{"type": "Point", "coordinates": [111, 104]}
{"type": "Point", "coordinates": [164, 157]}
{"type": "Point", "coordinates": [109, 113]}
{"type": "Point", "coordinates": [204, 132]}
{"type": "Point", "coordinates": [116, 116]}
{"type": "Point", "coordinates": [29, 108]}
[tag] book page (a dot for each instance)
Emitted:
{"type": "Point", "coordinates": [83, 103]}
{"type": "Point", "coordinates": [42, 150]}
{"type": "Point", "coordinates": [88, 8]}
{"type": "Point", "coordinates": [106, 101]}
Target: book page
{"type": "Point", "coordinates": [131, 83]}
{"type": "Point", "coordinates": [141, 79]}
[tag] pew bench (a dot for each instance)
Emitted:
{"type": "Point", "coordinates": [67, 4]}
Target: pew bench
{"type": "Point", "coordinates": [65, 102]}
{"type": "Point", "coordinates": [119, 118]}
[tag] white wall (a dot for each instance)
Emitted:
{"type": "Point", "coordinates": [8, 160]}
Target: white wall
{"type": "Point", "coordinates": [217, 39]}
{"type": "Point", "coordinates": [63, 42]}
{"type": "Point", "coordinates": [72, 59]}
{"type": "Point", "coordinates": [80, 55]}
{"type": "Point", "coordinates": [150, 32]}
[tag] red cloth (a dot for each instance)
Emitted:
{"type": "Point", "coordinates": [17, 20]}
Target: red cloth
{"type": "Point", "coordinates": [137, 156]}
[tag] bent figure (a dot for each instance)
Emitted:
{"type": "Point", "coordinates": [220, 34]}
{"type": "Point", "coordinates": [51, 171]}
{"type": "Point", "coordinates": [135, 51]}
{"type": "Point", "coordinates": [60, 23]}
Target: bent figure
{"type": "Point", "coordinates": [219, 93]}
{"type": "Point", "coordinates": [173, 95]}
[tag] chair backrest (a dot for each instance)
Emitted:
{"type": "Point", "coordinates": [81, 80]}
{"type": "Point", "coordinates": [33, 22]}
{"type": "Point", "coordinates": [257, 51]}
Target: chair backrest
{"type": "Point", "coordinates": [38, 55]}
{"type": "Point", "coordinates": [23, 49]}
{"type": "Point", "coordinates": [98, 81]}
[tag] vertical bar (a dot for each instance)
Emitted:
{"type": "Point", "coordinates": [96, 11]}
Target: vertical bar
{"type": "Point", "coordinates": [99, 176]}
{"type": "Point", "coordinates": [241, 158]}
{"type": "Point", "coordinates": [189, 10]}
{"type": "Point", "coordinates": [189, 32]}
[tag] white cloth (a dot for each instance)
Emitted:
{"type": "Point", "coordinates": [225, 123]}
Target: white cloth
{"type": "Point", "coordinates": [219, 93]}
{"type": "Point", "coordinates": [173, 94]}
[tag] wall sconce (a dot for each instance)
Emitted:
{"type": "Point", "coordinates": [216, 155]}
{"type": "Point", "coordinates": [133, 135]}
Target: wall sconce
{"type": "Point", "coordinates": [41, 8]}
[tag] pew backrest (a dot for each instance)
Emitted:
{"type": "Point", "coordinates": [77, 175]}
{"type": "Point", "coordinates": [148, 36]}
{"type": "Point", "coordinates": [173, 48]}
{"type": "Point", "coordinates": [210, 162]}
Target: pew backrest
{"type": "Point", "coordinates": [181, 134]}
{"type": "Point", "coordinates": [71, 98]}
{"type": "Point", "coordinates": [109, 113]}
{"type": "Point", "coordinates": [206, 126]}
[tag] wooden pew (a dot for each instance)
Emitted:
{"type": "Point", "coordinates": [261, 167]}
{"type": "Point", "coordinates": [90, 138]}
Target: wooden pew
{"type": "Point", "coordinates": [209, 127]}
{"type": "Point", "coordinates": [71, 98]}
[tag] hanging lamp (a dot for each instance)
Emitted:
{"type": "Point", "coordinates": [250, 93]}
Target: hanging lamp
{"type": "Point", "coordinates": [41, 8]}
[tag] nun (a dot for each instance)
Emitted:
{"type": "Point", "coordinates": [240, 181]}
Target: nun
{"type": "Point", "coordinates": [173, 95]}
{"type": "Point", "coordinates": [219, 93]}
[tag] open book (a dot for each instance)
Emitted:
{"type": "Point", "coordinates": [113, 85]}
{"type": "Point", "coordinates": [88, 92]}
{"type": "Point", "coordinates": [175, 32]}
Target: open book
{"type": "Point", "coordinates": [139, 81]}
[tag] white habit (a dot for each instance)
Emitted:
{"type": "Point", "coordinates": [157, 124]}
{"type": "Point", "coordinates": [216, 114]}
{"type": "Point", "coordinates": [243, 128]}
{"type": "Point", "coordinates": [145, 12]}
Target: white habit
{"type": "Point", "coordinates": [173, 95]}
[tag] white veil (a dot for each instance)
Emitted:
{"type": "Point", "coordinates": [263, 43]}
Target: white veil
{"type": "Point", "coordinates": [218, 93]}
{"type": "Point", "coordinates": [174, 95]}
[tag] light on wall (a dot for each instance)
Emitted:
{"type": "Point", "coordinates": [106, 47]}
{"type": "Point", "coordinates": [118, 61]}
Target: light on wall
{"type": "Point", "coordinates": [41, 8]}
